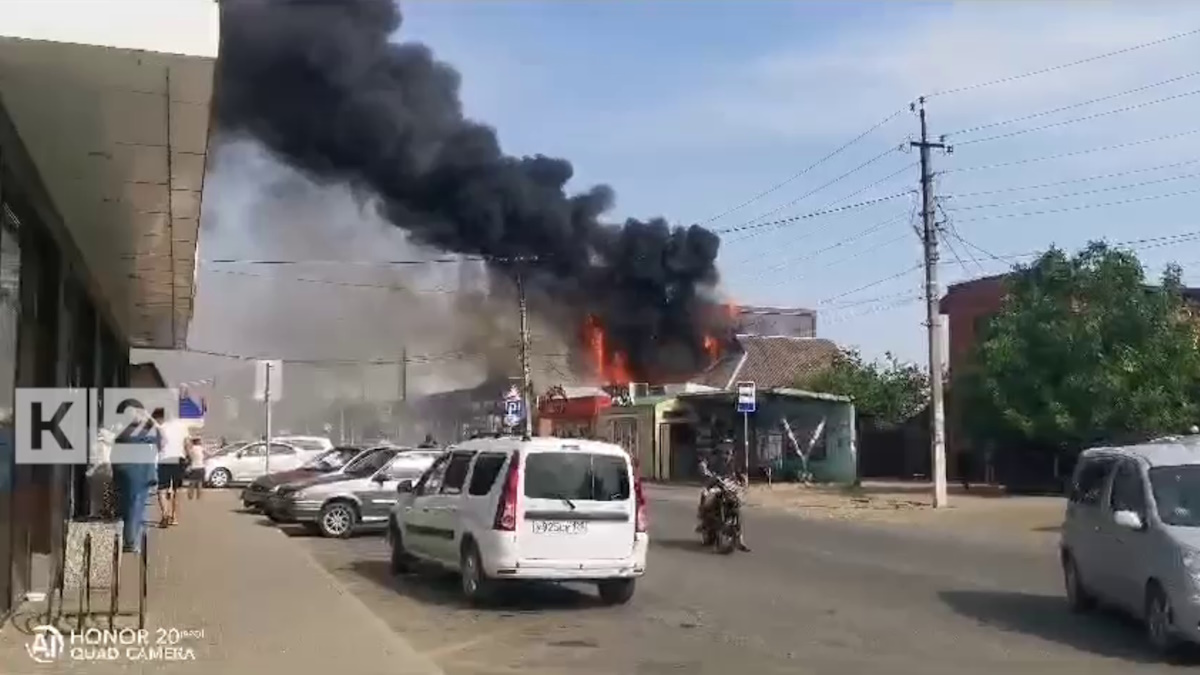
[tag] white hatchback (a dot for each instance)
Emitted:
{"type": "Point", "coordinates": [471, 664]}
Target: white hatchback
{"type": "Point", "coordinates": [547, 509]}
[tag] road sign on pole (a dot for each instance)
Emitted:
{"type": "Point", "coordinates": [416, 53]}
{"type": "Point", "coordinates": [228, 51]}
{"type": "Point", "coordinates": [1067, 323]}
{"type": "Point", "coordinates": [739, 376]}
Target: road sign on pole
{"type": "Point", "coordinates": [260, 380]}
{"type": "Point", "coordinates": [514, 408]}
{"type": "Point", "coordinates": [746, 397]}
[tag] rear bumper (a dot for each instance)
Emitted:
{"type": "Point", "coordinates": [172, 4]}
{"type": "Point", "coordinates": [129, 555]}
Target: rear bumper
{"type": "Point", "coordinates": [504, 562]}
{"type": "Point", "coordinates": [255, 497]}
{"type": "Point", "coordinates": [293, 511]}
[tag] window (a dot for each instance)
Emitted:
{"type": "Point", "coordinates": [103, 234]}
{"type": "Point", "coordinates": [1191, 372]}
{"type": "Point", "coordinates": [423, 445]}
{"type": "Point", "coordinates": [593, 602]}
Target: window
{"type": "Point", "coordinates": [1177, 494]}
{"type": "Point", "coordinates": [368, 464]}
{"type": "Point", "coordinates": [431, 482]}
{"type": "Point", "coordinates": [1128, 492]}
{"type": "Point", "coordinates": [576, 476]}
{"type": "Point", "coordinates": [487, 468]}
{"type": "Point", "coordinates": [456, 473]}
{"type": "Point", "coordinates": [255, 450]}
{"type": "Point", "coordinates": [1089, 479]}
{"type": "Point", "coordinates": [408, 467]}
{"type": "Point", "coordinates": [280, 449]}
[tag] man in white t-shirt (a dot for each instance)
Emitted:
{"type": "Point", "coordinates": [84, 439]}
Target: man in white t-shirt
{"type": "Point", "coordinates": [171, 454]}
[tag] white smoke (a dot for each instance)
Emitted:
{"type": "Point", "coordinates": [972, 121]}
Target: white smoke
{"type": "Point", "coordinates": [343, 300]}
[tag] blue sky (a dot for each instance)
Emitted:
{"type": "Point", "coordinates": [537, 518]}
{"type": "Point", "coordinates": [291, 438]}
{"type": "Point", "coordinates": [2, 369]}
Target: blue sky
{"type": "Point", "coordinates": [690, 109]}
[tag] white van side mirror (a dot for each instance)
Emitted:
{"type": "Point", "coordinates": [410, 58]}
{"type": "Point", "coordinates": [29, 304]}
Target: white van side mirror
{"type": "Point", "coordinates": [1129, 520]}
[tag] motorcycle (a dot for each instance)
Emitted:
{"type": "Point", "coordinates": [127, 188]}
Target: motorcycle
{"type": "Point", "coordinates": [721, 521]}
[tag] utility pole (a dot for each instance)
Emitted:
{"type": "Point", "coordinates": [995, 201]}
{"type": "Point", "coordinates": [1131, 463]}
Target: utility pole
{"type": "Point", "coordinates": [937, 409]}
{"type": "Point", "coordinates": [267, 402]}
{"type": "Point", "coordinates": [402, 412]}
{"type": "Point", "coordinates": [526, 382]}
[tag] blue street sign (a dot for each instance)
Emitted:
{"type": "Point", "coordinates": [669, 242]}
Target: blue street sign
{"type": "Point", "coordinates": [514, 408]}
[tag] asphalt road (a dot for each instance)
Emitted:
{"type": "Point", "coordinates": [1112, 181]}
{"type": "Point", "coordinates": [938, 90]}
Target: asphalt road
{"type": "Point", "coordinates": [812, 597]}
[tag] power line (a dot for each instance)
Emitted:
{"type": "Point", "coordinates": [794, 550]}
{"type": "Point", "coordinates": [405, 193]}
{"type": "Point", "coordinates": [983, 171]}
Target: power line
{"type": "Point", "coordinates": [873, 284]}
{"type": "Point", "coordinates": [1081, 207]}
{"type": "Point", "coordinates": [837, 244]}
{"type": "Point", "coordinates": [814, 214]}
{"type": "Point", "coordinates": [1114, 188]}
{"type": "Point", "coordinates": [1076, 153]}
{"type": "Point", "coordinates": [814, 191]}
{"type": "Point", "coordinates": [1025, 118]}
{"type": "Point", "coordinates": [1072, 64]}
{"type": "Point", "coordinates": [812, 166]}
{"type": "Point", "coordinates": [1071, 181]}
{"type": "Point", "coordinates": [396, 288]}
{"type": "Point", "coordinates": [1077, 120]}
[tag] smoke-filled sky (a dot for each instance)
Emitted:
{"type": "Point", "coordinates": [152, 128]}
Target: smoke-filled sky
{"type": "Point", "coordinates": [690, 114]}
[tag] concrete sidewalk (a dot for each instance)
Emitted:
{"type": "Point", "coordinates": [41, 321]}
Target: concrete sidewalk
{"type": "Point", "coordinates": [244, 599]}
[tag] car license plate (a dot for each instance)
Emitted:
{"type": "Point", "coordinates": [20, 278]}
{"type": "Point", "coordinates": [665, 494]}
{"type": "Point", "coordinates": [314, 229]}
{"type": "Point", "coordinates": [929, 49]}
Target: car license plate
{"type": "Point", "coordinates": [559, 527]}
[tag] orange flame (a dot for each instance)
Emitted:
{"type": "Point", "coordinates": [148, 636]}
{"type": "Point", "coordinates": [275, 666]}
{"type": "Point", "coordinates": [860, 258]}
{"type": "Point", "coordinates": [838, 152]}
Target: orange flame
{"type": "Point", "coordinates": [614, 371]}
{"type": "Point", "coordinates": [712, 348]}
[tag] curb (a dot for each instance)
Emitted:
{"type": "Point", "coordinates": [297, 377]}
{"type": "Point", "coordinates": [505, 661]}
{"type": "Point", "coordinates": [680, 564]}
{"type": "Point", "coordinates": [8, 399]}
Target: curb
{"type": "Point", "coordinates": [412, 661]}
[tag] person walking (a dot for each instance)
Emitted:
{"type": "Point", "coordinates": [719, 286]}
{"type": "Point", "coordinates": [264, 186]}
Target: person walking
{"type": "Point", "coordinates": [134, 475]}
{"type": "Point", "coordinates": [194, 476]}
{"type": "Point", "coordinates": [171, 454]}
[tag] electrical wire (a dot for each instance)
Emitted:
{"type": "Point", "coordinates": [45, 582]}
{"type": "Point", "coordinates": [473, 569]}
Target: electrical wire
{"type": "Point", "coordinates": [1084, 179]}
{"type": "Point", "coordinates": [815, 214]}
{"type": "Point", "coordinates": [814, 191]}
{"type": "Point", "coordinates": [1114, 188]}
{"type": "Point", "coordinates": [1081, 207]}
{"type": "Point", "coordinates": [396, 288]}
{"type": "Point", "coordinates": [1063, 66]}
{"type": "Point", "coordinates": [1109, 97]}
{"type": "Point", "coordinates": [803, 172]}
{"type": "Point", "coordinates": [1077, 120]}
{"type": "Point", "coordinates": [1075, 153]}
{"type": "Point", "coordinates": [837, 244]}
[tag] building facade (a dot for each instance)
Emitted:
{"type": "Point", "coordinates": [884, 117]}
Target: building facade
{"type": "Point", "coordinates": [104, 127]}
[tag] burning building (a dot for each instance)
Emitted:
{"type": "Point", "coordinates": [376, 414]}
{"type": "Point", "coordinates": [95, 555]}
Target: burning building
{"type": "Point", "coordinates": [327, 89]}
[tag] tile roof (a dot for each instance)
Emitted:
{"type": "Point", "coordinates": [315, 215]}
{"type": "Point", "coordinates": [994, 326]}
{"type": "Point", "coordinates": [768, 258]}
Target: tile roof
{"type": "Point", "coordinates": [771, 362]}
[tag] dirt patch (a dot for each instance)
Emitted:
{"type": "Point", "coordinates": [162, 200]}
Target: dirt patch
{"type": "Point", "coordinates": [987, 512]}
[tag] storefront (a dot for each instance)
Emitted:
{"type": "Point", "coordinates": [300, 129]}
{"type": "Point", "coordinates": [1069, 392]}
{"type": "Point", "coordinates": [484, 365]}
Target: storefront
{"type": "Point", "coordinates": [570, 412]}
{"type": "Point", "coordinates": [104, 129]}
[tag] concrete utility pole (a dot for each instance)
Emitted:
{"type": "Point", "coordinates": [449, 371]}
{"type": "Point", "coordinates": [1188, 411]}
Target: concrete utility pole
{"type": "Point", "coordinates": [267, 403]}
{"type": "Point", "coordinates": [937, 408]}
{"type": "Point", "coordinates": [526, 381]}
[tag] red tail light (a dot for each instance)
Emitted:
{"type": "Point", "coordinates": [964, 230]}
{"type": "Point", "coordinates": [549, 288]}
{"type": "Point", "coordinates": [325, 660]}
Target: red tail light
{"type": "Point", "coordinates": [643, 518]}
{"type": "Point", "coordinates": [506, 510]}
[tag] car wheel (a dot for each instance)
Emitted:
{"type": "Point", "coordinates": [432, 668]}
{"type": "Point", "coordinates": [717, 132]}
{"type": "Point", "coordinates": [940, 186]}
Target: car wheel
{"type": "Point", "coordinates": [219, 478]}
{"type": "Point", "coordinates": [476, 586]}
{"type": "Point", "coordinates": [1078, 598]}
{"type": "Point", "coordinates": [401, 561]}
{"type": "Point", "coordinates": [1160, 624]}
{"type": "Point", "coordinates": [249, 505]}
{"type": "Point", "coordinates": [337, 520]}
{"type": "Point", "coordinates": [616, 591]}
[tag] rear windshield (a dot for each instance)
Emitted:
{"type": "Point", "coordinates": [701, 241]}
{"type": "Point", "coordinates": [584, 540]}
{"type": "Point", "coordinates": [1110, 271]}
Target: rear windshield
{"type": "Point", "coordinates": [576, 476]}
{"type": "Point", "coordinates": [308, 444]}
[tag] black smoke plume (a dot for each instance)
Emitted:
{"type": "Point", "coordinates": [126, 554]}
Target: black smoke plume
{"type": "Point", "coordinates": [324, 85]}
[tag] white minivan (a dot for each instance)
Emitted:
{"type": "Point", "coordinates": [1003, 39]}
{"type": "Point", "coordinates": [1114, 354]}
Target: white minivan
{"type": "Point", "coordinates": [548, 509]}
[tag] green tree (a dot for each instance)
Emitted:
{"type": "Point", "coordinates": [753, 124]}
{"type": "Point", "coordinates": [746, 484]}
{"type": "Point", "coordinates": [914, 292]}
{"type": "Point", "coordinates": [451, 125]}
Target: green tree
{"type": "Point", "coordinates": [1083, 352]}
{"type": "Point", "coordinates": [886, 392]}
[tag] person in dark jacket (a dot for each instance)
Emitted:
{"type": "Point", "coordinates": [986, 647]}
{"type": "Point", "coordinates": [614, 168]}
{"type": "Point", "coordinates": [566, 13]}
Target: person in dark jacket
{"type": "Point", "coordinates": [428, 442]}
{"type": "Point", "coordinates": [720, 467]}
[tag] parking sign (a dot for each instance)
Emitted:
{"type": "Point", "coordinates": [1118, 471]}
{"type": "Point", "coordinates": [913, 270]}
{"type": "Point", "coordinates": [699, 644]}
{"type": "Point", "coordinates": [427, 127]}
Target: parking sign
{"type": "Point", "coordinates": [746, 397]}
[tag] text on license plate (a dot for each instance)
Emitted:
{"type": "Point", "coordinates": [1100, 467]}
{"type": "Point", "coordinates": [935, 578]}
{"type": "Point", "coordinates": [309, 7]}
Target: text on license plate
{"type": "Point", "coordinates": [559, 527]}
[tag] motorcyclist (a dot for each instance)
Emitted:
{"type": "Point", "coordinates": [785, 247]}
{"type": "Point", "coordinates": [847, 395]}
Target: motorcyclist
{"type": "Point", "coordinates": [715, 468]}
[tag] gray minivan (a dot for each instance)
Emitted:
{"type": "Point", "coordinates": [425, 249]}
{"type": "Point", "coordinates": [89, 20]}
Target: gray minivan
{"type": "Point", "coordinates": [1131, 537]}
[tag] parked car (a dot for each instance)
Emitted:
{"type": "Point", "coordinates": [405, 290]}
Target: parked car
{"type": "Point", "coordinates": [226, 449]}
{"type": "Point", "coordinates": [340, 505]}
{"type": "Point", "coordinates": [250, 462]}
{"type": "Point", "coordinates": [311, 443]}
{"type": "Point", "coordinates": [256, 494]}
{"type": "Point", "coordinates": [541, 509]}
{"type": "Point", "coordinates": [1131, 537]}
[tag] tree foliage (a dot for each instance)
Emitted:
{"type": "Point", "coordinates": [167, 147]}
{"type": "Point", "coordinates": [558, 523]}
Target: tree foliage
{"type": "Point", "coordinates": [886, 392]}
{"type": "Point", "coordinates": [1083, 352]}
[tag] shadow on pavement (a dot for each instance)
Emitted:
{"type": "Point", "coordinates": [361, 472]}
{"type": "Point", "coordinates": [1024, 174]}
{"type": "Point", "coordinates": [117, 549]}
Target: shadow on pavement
{"type": "Point", "coordinates": [440, 588]}
{"type": "Point", "coordinates": [694, 545]}
{"type": "Point", "coordinates": [1047, 617]}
